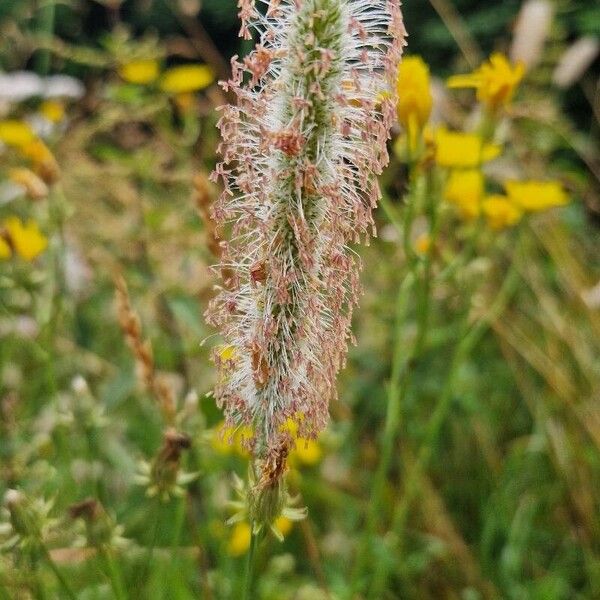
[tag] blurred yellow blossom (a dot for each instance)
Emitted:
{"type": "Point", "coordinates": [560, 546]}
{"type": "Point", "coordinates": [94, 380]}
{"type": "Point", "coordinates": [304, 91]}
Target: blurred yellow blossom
{"type": "Point", "coordinates": [239, 541]}
{"type": "Point", "coordinates": [15, 133]}
{"type": "Point", "coordinates": [465, 189]}
{"type": "Point", "coordinates": [414, 96]}
{"type": "Point", "coordinates": [462, 150]}
{"type": "Point", "coordinates": [535, 196]}
{"type": "Point", "coordinates": [185, 101]}
{"type": "Point", "coordinates": [42, 159]}
{"type": "Point", "coordinates": [26, 239]}
{"type": "Point", "coordinates": [53, 110]}
{"type": "Point", "coordinates": [227, 439]}
{"type": "Point", "coordinates": [141, 72]}
{"type": "Point", "coordinates": [5, 251]}
{"type": "Point", "coordinates": [500, 212]}
{"type": "Point", "coordinates": [30, 182]}
{"type": "Point", "coordinates": [227, 353]}
{"type": "Point", "coordinates": [495, 81]}
{"type": "Point", "coordinates": [422, 244]}
{"type": "Point", "coordinates": [283, 525]}
{"type": "Point", "coordinates": [307, 452]}
{"type": "Point", "coordinates": [186, 78]}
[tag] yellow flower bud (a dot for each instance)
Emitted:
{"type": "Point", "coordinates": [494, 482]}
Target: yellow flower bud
{"type": "Point", "coordinates": [186, 78]}
{"type": "Point", "coordinates": [535, 196]}
{"type": "Point", "coordinates": [414, 96]}
{"type": "Point", "coordinates": [500, 212]}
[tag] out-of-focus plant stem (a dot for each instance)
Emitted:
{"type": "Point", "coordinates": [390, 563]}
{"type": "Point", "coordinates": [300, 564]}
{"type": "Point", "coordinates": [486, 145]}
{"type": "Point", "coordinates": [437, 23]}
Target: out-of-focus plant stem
{"type": "Point", "coordinates": [249, 573]}
{"type": "Point", "coordinates": [114, 574]}
{"type": "Point", "coordinates": [402, 356]}
{"type": "Point", "coordinates": [47, 14]}
{"type": "Point", "coordinates": [59, 576]}
{"type": "Point", "coordinates": [432, 200]}
{"type": "Point", "coordinates": [469, 340]}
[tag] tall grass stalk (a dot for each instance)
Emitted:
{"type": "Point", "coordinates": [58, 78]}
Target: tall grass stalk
{"type": "Point", "coordinates": [471, 337]}
{"type": "Point", "coordinates": [250, 566]}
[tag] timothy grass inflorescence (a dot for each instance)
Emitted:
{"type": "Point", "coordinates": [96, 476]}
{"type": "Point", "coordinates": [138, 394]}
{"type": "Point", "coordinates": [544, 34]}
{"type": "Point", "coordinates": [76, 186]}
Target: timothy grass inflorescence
{"type": "Point", "coordinates": [302, 149]}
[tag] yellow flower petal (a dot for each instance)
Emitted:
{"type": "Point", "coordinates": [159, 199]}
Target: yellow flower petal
{"type": "Point", "coordinates": [140, 72]}
{"type": "Point", "coordinates": [535, 196]}
{"type": "Point", "coordinates": [42, 159]}
{"type": "Point", "coordinates": [462, 150]}
{"type": "Point", "coordinates": [15, 133]}
{"type": "Point", "coordinates": [240, 439]}
{"type": "Point", "coordinates": [307, 452]}
{"type": "Point", "coordinates": [284, 525]}
{"type": "Point", "coordinates": [222, 439]}
{"type": "Point", "coordinates": [465, 191]}
{"type": "Point", "coordinates": [495, 81]}
{"type": "Point", "coordinates": [239, 542]}
{"type": "Point", "coordinates": [28, 180]}
{"type": "Point", "coordinates": [186, 78]}
{"type": "Point", "coordinates": [26, 239]}
{"type": "Point", "coordinates": [500, 212]}
{"type": "Point", "coordinates": [464, 81]}
{"type": "Point", "coordinates": [414, 94]}
{"type": "Point", "coordinates": [53, 110]}
{"type": "Point", "coordinates": [5, 251]}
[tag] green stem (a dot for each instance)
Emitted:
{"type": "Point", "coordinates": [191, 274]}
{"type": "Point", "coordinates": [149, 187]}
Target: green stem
{"type": "Point", "coordinates": [396, 387]}
{"type": "Point", "coordinates": [59, 576]}
{"type": "Point", "coordinates": [249, 573]}
{"type": "Point", "coordinates": [433, 196]}
{"type": "Point", "coordinates": [467, 344]}
{"type": "Point", "coordinates": [150, 551]}
{"type": "Point", "coordinates": [114, 574]}
{"type": "Point", "coordinates": [173, 568]}
{"type": "Point", "coordinates": [46, 28]}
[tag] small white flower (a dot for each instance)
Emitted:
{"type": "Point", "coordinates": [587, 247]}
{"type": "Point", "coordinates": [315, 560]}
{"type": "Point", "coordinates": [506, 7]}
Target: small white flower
{"type": "Point", "coordinates": [20, 85]}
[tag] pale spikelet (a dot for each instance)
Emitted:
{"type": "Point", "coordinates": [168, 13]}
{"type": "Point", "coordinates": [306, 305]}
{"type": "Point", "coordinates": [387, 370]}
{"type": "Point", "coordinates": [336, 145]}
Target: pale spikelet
{"type": "Point", "coordinates": [301, 150]}
{"type": "Point", "coordinates": [142, 352]}
{"type": "Point", "coordinates": [531, 32]}
{"type": "Point", "coordinates": [203, 200]}
{"type": "Point", "coordinates": [576, 61]}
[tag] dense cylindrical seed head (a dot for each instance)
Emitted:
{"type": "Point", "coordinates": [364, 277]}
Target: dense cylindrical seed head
{"type": "Point", "coordinates": [302, 149]}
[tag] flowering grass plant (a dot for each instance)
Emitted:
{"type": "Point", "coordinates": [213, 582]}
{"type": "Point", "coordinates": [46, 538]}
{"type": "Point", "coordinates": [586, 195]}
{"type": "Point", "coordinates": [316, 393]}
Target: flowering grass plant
{"type": "Point", "coordinates": [358, 361]}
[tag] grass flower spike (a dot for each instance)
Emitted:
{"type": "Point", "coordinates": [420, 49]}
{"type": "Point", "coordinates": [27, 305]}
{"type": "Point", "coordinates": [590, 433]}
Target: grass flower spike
{"type": "Point", "coordinates": [301, 153]}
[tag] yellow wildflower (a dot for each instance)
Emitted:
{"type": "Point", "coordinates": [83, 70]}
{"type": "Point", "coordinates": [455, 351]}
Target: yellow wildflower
{"type": "Point", "coordinates": [222, 438]}
{"type": "Point", "coordinates": [283, 525]}
{"type": "Point", "coordinates": [422, 244]}
{"type": "Point", "coordinates": [30, 182]}
{"type": "Point", "coordinates": [307, 452]}
{"type": "Point", "coordinates": [239, 542]}
{"type": "Point", "coordinates": [242, 435]}
{"type": "Point", "coordinates": [185, 102]}
{"type": "Point", "coordinates": [464, 189]}
{"type": "Point", "coordinates": [15, 133]}
{"type": "Point", "coordinates": [462, 150]}
{"type": "Point", "coordinates": [495, 81]}
{"type": "Point", "coordinates": [226, 439]}
{"type": "Point", "coordinates": [44, 163]}
{"type": "Point", "coordinates": [227, 353]}
{"type": "Point", "coordinates": [53, 110]}
{"type": "Point", "coordinates": [26, 239]}
{"type": "Point", "coordinates": [535, 196]}
{"type": "Point", "coordinates": [186, 78]}
{"type": "Point", "coordinates": [5, 251]}
{"type": "Point", "coordinates": [414, 96]}
{"type": "Point", "coordinates": [141, 72]}
{"type": "Point", "coordinates": [500, 212]}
